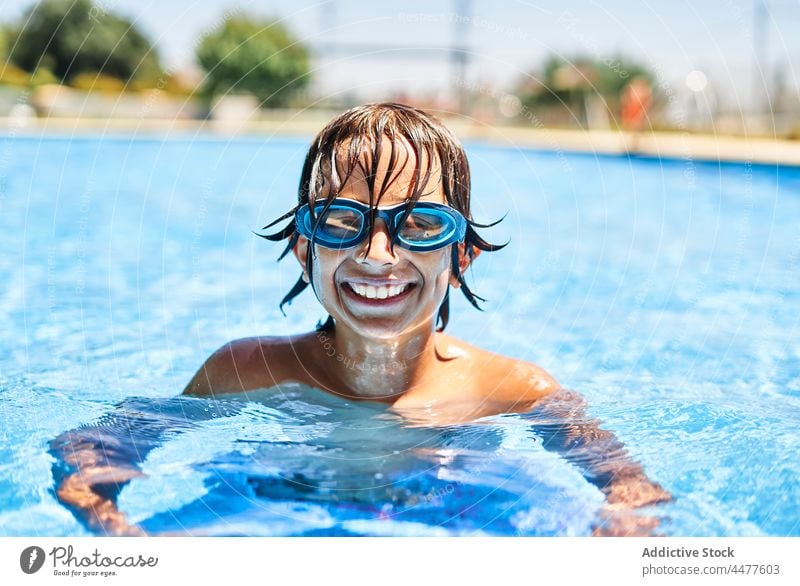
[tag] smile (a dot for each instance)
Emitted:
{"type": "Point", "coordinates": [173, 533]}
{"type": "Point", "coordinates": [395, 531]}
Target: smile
{"type": "Point", "coordinates": [378, 293]}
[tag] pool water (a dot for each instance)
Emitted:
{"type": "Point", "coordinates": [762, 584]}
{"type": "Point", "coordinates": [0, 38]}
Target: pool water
{"type": "Point", "coordinates": [302, 462]}
{"type": "Point", "coordinates": [664, 291]}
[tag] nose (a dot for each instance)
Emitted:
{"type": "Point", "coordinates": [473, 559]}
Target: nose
{"type": "Point", "coordinates": [376, 250]}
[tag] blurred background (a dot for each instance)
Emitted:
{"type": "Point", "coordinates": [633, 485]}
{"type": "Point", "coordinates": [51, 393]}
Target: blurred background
{"type": "Point", "coordinates": [721, 67]}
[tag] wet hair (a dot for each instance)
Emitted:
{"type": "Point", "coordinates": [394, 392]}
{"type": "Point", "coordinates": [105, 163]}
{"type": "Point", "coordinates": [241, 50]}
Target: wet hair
{"type": "Point", "coordinates": [355, 140]}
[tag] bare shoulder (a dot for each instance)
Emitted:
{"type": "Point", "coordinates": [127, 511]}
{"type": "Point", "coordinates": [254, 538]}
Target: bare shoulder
{"type": "Point", "coordinates": [246, 364]}
{"type": "Point", "coordinates": [521, 381]}
{"type": "Point", "coordinates": [505, 379]}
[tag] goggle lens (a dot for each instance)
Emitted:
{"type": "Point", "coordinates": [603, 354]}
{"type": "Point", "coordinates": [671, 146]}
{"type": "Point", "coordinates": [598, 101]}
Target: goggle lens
{"type": "Point", "coordinates": [340, 224]}
{"type": "Point", "coordinates": [429, 226]}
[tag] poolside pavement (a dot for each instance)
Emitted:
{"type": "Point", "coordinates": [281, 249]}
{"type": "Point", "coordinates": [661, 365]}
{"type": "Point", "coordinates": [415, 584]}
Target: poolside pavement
{"type": "Point", "coordinates": [667, 144]}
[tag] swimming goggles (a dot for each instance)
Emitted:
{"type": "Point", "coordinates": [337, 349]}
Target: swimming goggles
{"type": "Point", "coordinates": [346, 223]}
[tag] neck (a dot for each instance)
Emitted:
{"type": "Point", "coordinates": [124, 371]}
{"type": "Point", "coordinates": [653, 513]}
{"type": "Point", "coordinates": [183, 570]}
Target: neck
{"type": "Point", "coordinates": [378, 368]}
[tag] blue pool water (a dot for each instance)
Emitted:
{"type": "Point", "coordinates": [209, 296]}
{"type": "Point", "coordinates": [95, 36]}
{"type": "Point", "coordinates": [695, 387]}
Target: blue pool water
{"type": "Point", "coordinates": [664, 291]}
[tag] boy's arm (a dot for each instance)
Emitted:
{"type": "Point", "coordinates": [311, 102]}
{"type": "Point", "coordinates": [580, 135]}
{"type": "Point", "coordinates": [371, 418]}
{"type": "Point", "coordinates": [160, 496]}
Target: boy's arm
{"type": "Point", "coordinates": [94, 463]}
{"type": "Point", "coordinates": [91, 487]}
{"type": "Point", "coordinates": [562, 422]}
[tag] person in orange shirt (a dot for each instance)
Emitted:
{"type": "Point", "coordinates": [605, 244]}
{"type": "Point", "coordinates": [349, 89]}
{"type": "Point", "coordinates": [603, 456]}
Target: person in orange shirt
{"type": "Point", "coordinates": [637, 97]}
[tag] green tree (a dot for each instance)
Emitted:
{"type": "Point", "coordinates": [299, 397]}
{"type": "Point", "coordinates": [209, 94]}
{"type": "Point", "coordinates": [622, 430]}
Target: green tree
{"type": "Point", "coordinates": [566, 84]}
{"type": "Point", "coordinates": [259, 57]}
{"type": "Point", "coordinates": [3, 44]}
{"type": "Point", "coordinates": [74, 37]}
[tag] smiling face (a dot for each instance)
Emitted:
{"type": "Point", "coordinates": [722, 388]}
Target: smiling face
{"type": "Point", "coordinates": [370, 288]}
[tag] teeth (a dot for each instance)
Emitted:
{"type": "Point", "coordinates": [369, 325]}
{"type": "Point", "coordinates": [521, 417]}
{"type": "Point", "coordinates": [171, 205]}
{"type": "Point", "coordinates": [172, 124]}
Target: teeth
{"type": "Point", "coordinates": [382, 292]}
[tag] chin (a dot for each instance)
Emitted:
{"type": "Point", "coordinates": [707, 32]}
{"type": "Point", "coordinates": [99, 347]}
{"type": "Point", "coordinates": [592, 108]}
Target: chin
{"type": "Point", "coordinates": [378, 331]}
{"type": "Point", "coordinates": [378, 328]}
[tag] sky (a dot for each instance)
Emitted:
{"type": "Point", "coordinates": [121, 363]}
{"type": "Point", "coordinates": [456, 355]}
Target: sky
{"type": "Point", "coordinates": [369, 48]}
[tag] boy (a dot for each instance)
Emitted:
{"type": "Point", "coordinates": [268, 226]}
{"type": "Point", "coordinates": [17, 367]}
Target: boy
{"type": "Point", "coordinates": [381, 231]}
{"type": "Point", "coordinates": [383, 279]}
